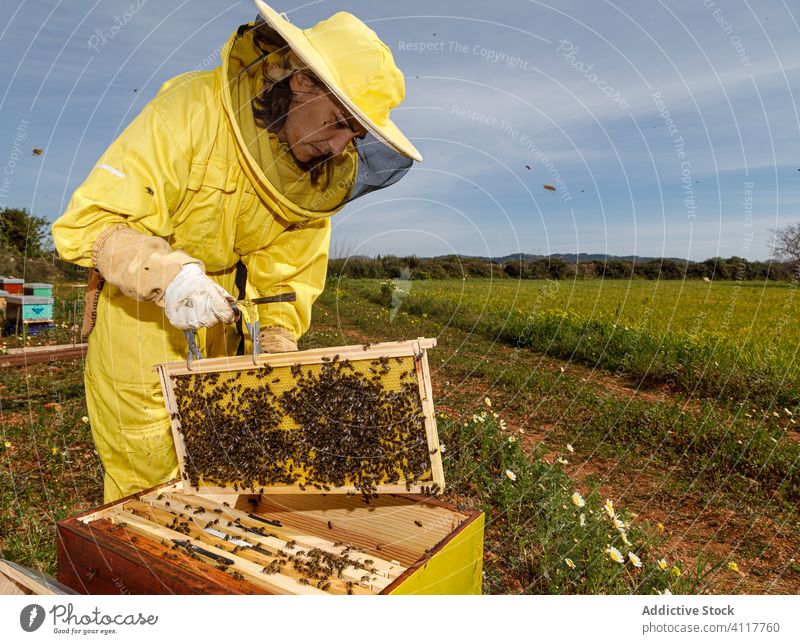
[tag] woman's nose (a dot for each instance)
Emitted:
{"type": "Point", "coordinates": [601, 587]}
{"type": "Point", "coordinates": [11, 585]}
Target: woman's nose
{"type": "Point", "coordinates": [339, 141]}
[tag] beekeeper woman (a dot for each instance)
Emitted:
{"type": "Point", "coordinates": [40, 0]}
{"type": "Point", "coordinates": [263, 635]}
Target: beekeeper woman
{"type": "Point", "coordinates": [242, 165]}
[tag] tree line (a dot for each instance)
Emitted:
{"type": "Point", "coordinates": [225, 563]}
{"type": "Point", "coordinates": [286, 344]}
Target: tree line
{"type": "Point", "coordinates": [556, 268]}
{"type": "Point", "coordinates": [27, 250]}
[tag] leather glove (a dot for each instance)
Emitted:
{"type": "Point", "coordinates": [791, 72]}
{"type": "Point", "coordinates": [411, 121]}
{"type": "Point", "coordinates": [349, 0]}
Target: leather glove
{"type": "Point", "coordinates": [193, 300]}
{"type": "Point", "coordinates": [276, 339]}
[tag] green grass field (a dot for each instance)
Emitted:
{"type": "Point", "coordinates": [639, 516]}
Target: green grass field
{"type": "Point", "coordinates": [539, 398]}
{"type": "Point", "coordinates": [722, 339]}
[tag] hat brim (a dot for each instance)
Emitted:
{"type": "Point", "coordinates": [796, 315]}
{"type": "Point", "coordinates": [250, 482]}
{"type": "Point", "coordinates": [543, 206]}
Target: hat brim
{"type": "Point", "coordinates": [389, 133]}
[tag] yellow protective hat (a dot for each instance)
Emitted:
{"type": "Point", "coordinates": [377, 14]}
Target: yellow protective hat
{"type": "Point", "coordinates": [355, 65]}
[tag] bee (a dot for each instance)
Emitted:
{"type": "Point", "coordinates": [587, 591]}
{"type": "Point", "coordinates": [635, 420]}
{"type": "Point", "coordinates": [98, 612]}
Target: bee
{"type": "Point", "coordinates": [330, 525]}
{"type": "Point", "coordinates": [547, 186]}
{"type": "Point", "coordinates": [349, 587]}
{"type": "Point", "coordinates": [303, 581]}
{"type": "Point", "coordinates": [418, 523]}
{"type": "Point", "coordinates": [149, 190]}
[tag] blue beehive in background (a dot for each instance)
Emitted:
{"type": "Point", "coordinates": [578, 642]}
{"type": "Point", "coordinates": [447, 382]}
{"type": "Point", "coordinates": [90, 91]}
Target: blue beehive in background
{"type": "Point", "coordinates": [39, 289]}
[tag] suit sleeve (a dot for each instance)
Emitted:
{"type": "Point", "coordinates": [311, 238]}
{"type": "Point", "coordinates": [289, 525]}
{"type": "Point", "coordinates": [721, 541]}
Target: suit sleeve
{"type": "Point", "coordinates": [135, 187]}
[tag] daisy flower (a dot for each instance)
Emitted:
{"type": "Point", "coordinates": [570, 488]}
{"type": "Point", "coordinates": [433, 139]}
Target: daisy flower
{"type": "Point", "coordinates": [609, 507]}
{"type": "Point", "coordinates": [511, 475]}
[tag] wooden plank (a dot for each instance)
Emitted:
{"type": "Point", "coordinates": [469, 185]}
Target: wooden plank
{"type": "Point", "coordinates": [27, 585]}
{"type": "Point", "coordinates": [278, 584]}
{"type": "Point", "coordinates": [426, 394]}
{"type": "Point", "coordinates": [283, 533]}
{"type": "Point", "coordinates": [385, 528]}
{"type": "Point", "coordinates": [385, 488]}
{"type": "Point", "coordinates": [310, 356]}
{"type": "Point", "coordinates": [55, 354]}
{"type": "Point", "coordinates": [197, 531]}
{"type": "Point", "coordinates": [101, 558]}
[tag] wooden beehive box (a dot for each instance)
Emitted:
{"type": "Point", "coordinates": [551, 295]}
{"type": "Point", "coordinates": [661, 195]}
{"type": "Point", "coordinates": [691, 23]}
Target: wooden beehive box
{"type": "Point", "coordinates": [29, 308]}
{"type": "Point", "coordinates": [355, 419]}
{"type": "Point", "coordinates": [39, 289]}
{"type": "Point", "coordinates": [13, 285]}
{"type": "Point", "coordinates": [165, 541]}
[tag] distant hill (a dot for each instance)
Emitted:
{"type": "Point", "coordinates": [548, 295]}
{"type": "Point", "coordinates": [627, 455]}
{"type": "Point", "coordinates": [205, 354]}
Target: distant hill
{"type": "Point", "coordinates": [571, 258]}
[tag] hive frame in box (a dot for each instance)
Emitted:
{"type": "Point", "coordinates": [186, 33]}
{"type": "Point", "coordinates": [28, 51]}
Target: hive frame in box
{"type": "Point", "coordinates": [399, 544]}
{"type": "Point", "coordinates": [416, 348]}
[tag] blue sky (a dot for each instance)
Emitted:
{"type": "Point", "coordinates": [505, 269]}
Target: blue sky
{"type": "Point", "coordinates": [577, 90]}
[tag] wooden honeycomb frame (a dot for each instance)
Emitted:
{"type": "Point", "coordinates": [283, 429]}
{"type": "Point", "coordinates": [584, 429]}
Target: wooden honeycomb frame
{"type": "Point", "coordinates": [356, 353]}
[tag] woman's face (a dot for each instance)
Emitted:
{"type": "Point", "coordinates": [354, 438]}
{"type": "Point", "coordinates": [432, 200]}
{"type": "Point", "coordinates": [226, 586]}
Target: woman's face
{"type": "Point", "coordinates": [317, 127]}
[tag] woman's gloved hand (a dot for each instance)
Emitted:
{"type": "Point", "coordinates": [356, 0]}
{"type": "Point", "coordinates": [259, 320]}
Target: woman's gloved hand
{"type": "Point", "coordinates": [276, 339]}
{"type": "Point", "coordinates": [193, 300]}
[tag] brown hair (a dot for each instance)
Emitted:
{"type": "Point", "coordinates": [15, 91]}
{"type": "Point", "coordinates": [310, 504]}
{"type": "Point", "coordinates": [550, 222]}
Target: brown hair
{"type": "Point", "coordinates": [271, 105]}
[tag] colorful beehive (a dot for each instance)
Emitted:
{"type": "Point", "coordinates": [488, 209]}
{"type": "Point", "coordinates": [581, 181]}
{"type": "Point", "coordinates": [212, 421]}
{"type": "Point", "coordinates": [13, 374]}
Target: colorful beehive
{"type": "Point", "coordinates": [12, 285]}
{"type": "Point", "coordinates": [38, 289]}
{"type": "Point", "coordinates": [165, 541]}
{"type": "Point", "coordinates": [29, 308]}
{"type": "Point", "coordinates": [293, 499]}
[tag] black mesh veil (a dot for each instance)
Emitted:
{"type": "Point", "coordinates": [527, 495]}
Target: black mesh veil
{"type": "Point", "coordinates": [379, 166]}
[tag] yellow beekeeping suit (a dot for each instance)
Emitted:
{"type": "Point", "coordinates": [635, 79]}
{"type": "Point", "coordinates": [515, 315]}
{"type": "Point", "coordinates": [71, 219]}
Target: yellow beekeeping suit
{"type": "Point", "coordinates": [193, 170]}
